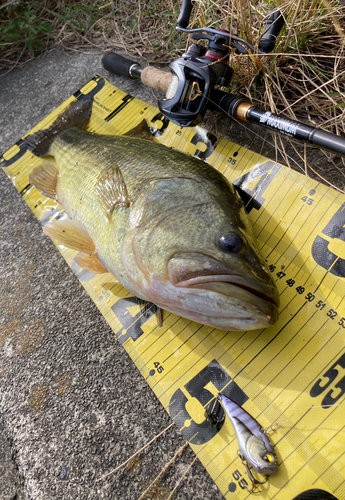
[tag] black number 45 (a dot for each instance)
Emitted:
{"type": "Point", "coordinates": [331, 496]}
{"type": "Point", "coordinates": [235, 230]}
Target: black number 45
{"type": "Point", "coordinates": [327, 379]}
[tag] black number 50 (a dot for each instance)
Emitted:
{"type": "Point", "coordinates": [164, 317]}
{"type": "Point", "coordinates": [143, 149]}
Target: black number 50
{"type": "Point", "coordinates": [200, 433]}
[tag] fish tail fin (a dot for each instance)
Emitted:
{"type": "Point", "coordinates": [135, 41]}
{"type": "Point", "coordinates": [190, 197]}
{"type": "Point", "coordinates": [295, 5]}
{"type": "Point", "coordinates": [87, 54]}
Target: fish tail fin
{"type": "Point", "coordinates": [77, 114]}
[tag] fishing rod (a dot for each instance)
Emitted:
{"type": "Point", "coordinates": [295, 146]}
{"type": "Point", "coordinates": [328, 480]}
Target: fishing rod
{"type": "Point", "coordinates": [190, 86]}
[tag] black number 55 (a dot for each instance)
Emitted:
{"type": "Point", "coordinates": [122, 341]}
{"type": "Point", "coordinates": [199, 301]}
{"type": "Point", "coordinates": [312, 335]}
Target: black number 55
{"type": "Point", "coordinates": [337, 390]}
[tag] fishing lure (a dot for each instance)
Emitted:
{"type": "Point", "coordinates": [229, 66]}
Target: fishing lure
{"type": "Point", "coordinates": [255, 448]}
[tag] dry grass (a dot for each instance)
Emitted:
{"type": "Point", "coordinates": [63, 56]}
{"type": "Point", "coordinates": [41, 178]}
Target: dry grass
{"type": "Point", "coordinates": [304, 78]}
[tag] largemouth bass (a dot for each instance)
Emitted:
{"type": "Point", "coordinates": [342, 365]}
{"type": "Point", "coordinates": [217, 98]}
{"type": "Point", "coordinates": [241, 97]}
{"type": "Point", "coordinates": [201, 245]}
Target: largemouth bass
{"type": "Point", "coordinates": [168, 226]}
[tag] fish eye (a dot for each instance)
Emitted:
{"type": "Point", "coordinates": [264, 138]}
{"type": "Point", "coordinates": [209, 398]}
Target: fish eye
{"type": "Point", "coordinates": [268, 458]}
{"type": "Point", "coordinates": [231, 243]}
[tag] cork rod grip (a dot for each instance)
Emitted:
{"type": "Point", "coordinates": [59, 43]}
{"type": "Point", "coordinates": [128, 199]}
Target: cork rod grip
{"type": "Point", "coordinates": [156, 78]}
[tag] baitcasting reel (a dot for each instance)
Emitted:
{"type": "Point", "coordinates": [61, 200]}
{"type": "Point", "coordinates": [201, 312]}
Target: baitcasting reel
{"type": "Point", "coordinates": [196, 73]}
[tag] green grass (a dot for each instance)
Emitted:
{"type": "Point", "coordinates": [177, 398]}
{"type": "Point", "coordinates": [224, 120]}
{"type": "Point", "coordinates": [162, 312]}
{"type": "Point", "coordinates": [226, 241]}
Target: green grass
{"type": "Point", "coordinates": [24, 27]}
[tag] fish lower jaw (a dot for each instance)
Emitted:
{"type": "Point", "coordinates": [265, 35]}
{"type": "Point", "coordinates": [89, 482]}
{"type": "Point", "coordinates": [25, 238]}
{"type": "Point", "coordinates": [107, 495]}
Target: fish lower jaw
{"type": "Point", "coordinates": [198, 306]}
{"type": "Point", "coordinates": [236, 312]}
{"type": "Point", "coordinates": [231, 288]}
{"type": "Point", "coordinates": [234, 324]}
{"type": "Point", "coordinates": [254, 311]}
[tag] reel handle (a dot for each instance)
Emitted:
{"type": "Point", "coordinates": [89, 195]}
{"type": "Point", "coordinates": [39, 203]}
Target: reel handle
{"type": "Point", "coordinates": [272, 27]}
{"type": "Point", "coordinates": [183, 18]}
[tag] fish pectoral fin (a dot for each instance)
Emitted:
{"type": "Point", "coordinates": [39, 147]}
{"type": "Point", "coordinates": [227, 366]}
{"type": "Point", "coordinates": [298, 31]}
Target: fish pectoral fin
{"type": "Point", "coordinates": [112, 191]}
{"type": "Point", "coordinates": [44, 177]}
{"type": "Point", "coordinates": [141, 131]}
{"type": "Point", "coordinates": [91, 263]}
{"type": "Point", "coordinates": [71, 234]}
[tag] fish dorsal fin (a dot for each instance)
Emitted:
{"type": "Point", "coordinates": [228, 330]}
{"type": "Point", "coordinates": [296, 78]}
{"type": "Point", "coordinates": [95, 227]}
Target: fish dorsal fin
{"type": "Point", "coordinates": [112, 191]}
{"type": "Point", "coordinates": [71, 234]}
{"type": "Point", "coordinates": [91, 263]}
{"type": "Point", "coordinates": [141, 131]}
{"type": "Point", "coordinates": [44, 177]}
{"type": "Point", "coordinates": [77, 114]}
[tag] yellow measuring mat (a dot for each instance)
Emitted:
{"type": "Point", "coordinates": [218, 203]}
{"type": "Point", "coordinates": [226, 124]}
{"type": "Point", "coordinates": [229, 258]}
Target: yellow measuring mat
{"type": "Point", "coordinates": [290, 378]}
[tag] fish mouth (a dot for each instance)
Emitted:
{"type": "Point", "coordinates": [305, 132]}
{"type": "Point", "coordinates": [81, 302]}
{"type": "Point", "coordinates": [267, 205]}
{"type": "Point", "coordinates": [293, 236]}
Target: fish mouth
{"type": "Point", "coordinates": [228, 285]}
{"type": "Point", "coordinates": [217, 295]}
{"type": "Point", "coordinates": [199, 271]}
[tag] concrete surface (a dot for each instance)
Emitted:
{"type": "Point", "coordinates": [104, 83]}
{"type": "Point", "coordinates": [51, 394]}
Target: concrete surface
{"type": "Point", "coordinates": [10, 483]}
{"type": "Point", "coordinates": [73, 405]}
